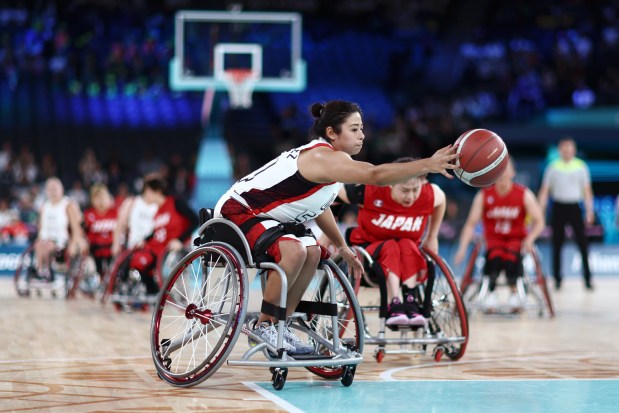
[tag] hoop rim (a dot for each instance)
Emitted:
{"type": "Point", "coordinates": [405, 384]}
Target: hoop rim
{"type": "Point", "coordinates": [240, 75]}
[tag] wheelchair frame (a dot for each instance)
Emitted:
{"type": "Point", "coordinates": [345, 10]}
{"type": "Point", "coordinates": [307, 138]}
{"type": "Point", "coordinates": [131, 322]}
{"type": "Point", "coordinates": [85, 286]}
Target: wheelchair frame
{"type": "Point", "coordinates": [71, 271]}
{"type": "Point", "coordinates": [432, 332]}
{"type": "Point", "coordinates": [223, 247]}
{"type": "Point", "coordinates": [531, 286]}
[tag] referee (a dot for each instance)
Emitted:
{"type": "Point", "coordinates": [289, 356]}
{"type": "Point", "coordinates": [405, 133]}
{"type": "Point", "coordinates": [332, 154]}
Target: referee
{"type": "Point", "coordinates": [567, 182]}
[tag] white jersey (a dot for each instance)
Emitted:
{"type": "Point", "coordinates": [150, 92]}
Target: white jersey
{"type": "Point", "coordinates": [279, 191]}
{"type": "Point", "coordinates": [141, 222]}
{"type": "Point", "coordinates": [55, 222]}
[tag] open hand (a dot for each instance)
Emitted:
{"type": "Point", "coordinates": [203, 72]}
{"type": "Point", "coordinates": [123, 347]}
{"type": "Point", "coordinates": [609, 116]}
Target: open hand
{"type": "Point", "coordinates": [443, 160]}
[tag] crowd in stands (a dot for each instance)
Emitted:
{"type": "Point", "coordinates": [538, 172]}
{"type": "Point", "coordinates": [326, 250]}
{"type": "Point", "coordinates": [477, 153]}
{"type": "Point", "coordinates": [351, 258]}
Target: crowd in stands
{"type": "Point", "coordinates": [517, 60]}
{"type": "Point", "coordinates": [22, 179]}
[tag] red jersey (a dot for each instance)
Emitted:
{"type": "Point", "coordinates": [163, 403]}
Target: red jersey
{"type": "Point", "coordinates": [99, 228]}
{"type": "Point", "coordinates": [169, 225]}
{"type": "Point", "coordinates": [381, 218]}
{"type": "Point", "coordinates": [504, 216]}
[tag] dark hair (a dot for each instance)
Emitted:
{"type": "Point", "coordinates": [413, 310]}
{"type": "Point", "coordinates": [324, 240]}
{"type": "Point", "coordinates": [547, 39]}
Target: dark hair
{"type": "Point", "coordinates": [155, 184]}
{"type": "Point", "coordinates": [332, 113]}
{"type": "Point", "coordinates": [405, 159]}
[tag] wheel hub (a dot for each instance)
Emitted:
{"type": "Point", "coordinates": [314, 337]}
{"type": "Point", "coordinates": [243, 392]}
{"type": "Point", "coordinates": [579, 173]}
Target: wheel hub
{"type": "Point", "coordinates": [192, 311]}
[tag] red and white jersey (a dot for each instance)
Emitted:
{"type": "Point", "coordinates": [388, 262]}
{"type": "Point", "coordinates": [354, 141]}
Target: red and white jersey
{"type": "Point", "coordinates": [279, 191]}
{"type": "Point", "coordinates": [99, 228]}
{"type": "Point", "coordinates": [169, 225]}
{"type": "Point", "coordinates": [55, 222]}
{"type": "Point", "coordinates": [504, 216]}
{"type": "Point", "coordinates": [140, 222]}
{"type": "Point", "coordinates": [381, 218]}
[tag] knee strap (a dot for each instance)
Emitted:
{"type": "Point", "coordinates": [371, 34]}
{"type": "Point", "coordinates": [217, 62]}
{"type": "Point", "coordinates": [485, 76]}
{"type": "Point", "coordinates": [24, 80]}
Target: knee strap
{"type": "Point", "coordinates": [273, 310]}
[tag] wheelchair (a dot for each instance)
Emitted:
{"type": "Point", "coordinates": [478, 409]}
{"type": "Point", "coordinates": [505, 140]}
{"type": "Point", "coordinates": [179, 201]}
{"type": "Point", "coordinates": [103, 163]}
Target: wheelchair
{"type": "Point", "coordinates": [67, 273]}
{"type": "Point", "coordinates": [202, 309]}
{"type": "Point", "coordinates": [123, 285]}
{"type": "Point", "coordinates": [446, 330]}
{"type": "Point", "coordinates": [531, 287]}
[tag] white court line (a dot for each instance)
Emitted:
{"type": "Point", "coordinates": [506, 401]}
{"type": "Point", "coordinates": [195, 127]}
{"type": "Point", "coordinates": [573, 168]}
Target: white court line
{"type": "Point", "coordinates": [74, 359]}
{"type": "Point", "coordinates": [270, 396]}
{"type": "Point", "coordinates": [387, 375]}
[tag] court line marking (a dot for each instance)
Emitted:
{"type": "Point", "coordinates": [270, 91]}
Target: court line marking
{"type": "Point", "coordinates": [387, 375]}
{"type": "Point", "coordinates": [273, 398]}
{"type": "Point", "coordinates": [67, 359]}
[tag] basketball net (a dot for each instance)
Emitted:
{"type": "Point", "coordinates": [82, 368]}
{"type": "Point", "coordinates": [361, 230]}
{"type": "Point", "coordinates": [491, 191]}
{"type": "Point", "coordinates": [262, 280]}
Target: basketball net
{"type": "Point", "coordinates": [240, 84]}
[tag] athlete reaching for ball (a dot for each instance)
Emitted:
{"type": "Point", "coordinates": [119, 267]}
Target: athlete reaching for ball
{"type": "Point", "coordinates": [271, 204]}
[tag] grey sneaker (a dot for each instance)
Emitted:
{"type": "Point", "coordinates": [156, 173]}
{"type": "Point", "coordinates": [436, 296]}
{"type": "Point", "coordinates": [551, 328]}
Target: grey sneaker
{"type": "Point", "coordinates": [299, 346]}
{"type": "Point", "coordinates": [268, 333]}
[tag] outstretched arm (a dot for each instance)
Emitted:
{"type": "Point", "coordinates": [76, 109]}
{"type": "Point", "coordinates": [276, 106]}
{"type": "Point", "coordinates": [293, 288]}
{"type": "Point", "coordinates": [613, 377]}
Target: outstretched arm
{"type": "Point", "coordinates": [325, 165]}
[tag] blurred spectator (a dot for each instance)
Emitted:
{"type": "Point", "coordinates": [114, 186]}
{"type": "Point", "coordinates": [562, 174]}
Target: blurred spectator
{"type": "Point", "coordinates": [78, 194]}
{"type": "Point", "coordinates": [11, 227]}
{"type": "Point", "coordinates": [6, 155]}
{"type": "Point", "coordinates": [88, 167]}
{"type": "Point", "coordinates": [25, 168]}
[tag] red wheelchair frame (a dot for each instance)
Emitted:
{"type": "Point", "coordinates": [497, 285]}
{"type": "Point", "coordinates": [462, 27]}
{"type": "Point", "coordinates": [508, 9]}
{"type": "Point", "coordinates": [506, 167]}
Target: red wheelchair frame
{"type": "Point", "coordinates": [531, 281]}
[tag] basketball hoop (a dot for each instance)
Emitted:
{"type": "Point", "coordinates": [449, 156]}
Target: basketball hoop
{"type": "Point", "coordinates": [240, 84]}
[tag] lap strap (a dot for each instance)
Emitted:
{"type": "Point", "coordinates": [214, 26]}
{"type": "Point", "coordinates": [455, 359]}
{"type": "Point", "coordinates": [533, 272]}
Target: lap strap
{"type": "Point", "coordinates": [271, 235]}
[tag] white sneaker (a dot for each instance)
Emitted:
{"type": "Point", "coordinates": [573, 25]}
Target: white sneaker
{"type": "Point", "coordinates": [491, 302]}
{"type": "Point", "coordinates": [514, 302]}
{"type": "Point", "coordinates": [299, 346]}
{"type": "Point", "coordinates": [268, 333]}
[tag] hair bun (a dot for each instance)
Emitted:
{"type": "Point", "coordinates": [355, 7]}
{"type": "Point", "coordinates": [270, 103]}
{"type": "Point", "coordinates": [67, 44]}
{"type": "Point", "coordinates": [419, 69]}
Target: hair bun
{"type": "Point", "coordinates": [317, 109]}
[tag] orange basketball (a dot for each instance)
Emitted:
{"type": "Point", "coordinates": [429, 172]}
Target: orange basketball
{"type": "Point", "coordinates": [483, 157]}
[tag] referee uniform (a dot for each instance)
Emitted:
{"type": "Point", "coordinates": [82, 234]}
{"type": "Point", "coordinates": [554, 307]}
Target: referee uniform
{"type": "Point", "coordinates": [566, 183]}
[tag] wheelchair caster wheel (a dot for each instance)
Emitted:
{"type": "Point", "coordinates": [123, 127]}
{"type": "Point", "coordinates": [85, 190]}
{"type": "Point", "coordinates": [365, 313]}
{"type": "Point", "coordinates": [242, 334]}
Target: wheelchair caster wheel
{"type": "Point", "coordinates": [379, 356]}
{"type": "Point", "coordinates": [438, 354]}
{"type": "Point", "coordinates": [348, 376]}
{"type": "Point", "coordinates": [279, 378]}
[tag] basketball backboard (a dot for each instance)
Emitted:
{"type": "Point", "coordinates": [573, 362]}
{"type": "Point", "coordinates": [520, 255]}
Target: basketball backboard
{"type": "Point", "coordinates": [209, 43]}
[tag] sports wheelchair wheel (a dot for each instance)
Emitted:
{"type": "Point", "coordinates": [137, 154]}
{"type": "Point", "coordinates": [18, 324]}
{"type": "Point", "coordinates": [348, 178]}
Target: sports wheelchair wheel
{"type": "Point", "coordinates": [349, 319]}
{"type": "Point", "coordinates": [532, 287]}
{"type": "Point", "coordinates": [67, 272]}
{"type": "Point", "coordinates": [444, 307]}
{"type": "Point", "coordinates": [74, 270]}
{"type": "Point", "coordinates": [109, 280]}
{"type": "Point", "coordinates": [24, 272]}
{"type": "Point", "coordinates": [167, 260]}
{"type": "Point", "coordinates": [199, 314]}
{"type": "Point", "coordinates": [539, 286]}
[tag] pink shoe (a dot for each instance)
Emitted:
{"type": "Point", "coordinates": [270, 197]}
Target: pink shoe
{"type": "Point", "coordinates": [413, 312]}
{"type": "Point", "coordinates": [415, 319]}
{"type": "Point", "coordinates": [396, 314]}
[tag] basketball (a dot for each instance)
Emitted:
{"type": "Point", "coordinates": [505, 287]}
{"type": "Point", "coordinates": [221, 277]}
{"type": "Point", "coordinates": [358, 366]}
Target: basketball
{"type": "Point", "coordinates": [482, 157]}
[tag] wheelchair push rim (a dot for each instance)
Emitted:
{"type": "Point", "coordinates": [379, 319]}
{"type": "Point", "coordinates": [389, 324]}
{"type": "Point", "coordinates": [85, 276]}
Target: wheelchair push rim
{"type": "Point", "coordinates": [449, 316]}
{"type": "Point", "coordinates": [198, 315]}
{"type": "Point", "coordinates": [349, 318]}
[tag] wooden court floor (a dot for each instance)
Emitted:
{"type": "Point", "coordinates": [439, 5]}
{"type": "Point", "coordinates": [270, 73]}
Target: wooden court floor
{"type": "Point", "coordinates": [77, 356]}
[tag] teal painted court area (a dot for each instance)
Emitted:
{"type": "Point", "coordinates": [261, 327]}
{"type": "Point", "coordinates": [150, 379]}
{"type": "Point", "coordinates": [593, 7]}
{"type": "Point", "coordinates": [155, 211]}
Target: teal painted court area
{"type": "Point", "coordinates": [501, 396]}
